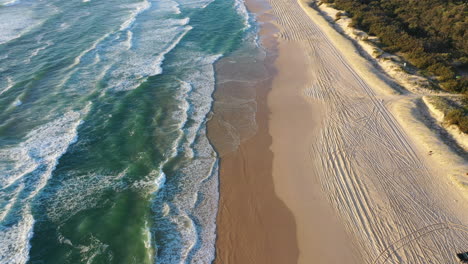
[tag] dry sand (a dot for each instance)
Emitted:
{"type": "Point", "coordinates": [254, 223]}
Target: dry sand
{"type": "Point", "coordinates": [295, 125]}
{"type": "Point", "coordinates": [332, 176]}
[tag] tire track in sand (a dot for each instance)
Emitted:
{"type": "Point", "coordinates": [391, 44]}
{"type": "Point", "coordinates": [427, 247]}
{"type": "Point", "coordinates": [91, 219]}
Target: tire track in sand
{"type": "Point", "coordinates": [370, 172]}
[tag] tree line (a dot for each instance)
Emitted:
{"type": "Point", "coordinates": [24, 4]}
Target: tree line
{"type": "Point", "coordinates": [432, 35]}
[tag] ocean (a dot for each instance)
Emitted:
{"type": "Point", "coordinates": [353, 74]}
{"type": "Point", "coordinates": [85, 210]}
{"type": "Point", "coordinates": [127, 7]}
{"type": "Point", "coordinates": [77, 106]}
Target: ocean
{"type": "Point", "coordinates": [104, 155]}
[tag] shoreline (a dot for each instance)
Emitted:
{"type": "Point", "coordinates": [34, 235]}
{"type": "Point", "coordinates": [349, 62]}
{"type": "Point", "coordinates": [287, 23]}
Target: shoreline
{"type": "Point", "coordinates": [258, 204]}
{"type": "Point", "coordinates": [334, 163]}
{"type": "Point", "coordinates": [253, 224]}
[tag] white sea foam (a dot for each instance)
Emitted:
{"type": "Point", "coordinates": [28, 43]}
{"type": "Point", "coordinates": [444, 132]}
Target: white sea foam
{"type": "Point", "coordinates": [195, 201]}
{"type": "Point", "coordinates": [133, 53]}
{"type": "Point", "coordinates": [138, 9]}
{"type": "Point", "coordinates": [17, 102]}
{"type": "Point", "coordinates": [8, 200]}
{"type": "Point", "coordinates": [9, 85]}
{"type": "Point", "coordinates": [92, 250]}
{"type": "Point", "coordinates": [151, 183]}
{"type": "Point", "coordinates": [182, 113]}
{"type": "Point", "coordinates": [167, 8]}
{"type": "Point", "coordinates": [203, 82]}
{"type": "Point", "coordinates": [9, 2]}
{"type": "Point", "coordinates": [196, 3]}
{"type": "Point", "coordinates": [196, 197]}
{"type": "Point", "coordinates": [147, 232]}
{"type": "Point", "coordinates": [43, 46]}
{"type": "Point", "coordinates": [80, 192]}
{"type": "Point", "coordinates": [14, 241]}
{"type": "Point", "coordinates": [18, 18]}
{"type": "Point", "coordinates": [146, 59]}
{"type": "Point", "coordinates": [93, 46]}
{"type": "Point", "coordinates": [129, 39]}
{"type": "Point", "coordinates": [14, 23]}
{"type": "Point", "coordinates": [64, 26]}
{"type": "Point", "coordinates": [176, 8]}
{"type": "Point", "coordinates": [193, 208]}
{"type": "Point", "coordinates": [203, 168]}
{"type": "Point", "coordinates": [26, 168]}
{"type": "Point", "coordinates": [159, 181]}
{"type": "Point", "coordinates": [43, 146]}
{"type": "Point", "coordinates": [242, 11]}
{"type": "Point", "coordinates": [35, 52]}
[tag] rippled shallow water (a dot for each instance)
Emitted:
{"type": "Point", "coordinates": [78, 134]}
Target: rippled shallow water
{"type": "Point", "coordinates": [103, 150]}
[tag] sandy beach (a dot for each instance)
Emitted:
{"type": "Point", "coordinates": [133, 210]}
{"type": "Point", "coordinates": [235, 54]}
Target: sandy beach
{"type": "Point", "coordinates": [253, 224]}
{"type": "Point", "coordinates": [334, 171]}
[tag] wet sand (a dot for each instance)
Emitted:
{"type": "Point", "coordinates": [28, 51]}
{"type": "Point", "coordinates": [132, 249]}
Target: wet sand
{"type": "Point", "coordinates": [253, 224]}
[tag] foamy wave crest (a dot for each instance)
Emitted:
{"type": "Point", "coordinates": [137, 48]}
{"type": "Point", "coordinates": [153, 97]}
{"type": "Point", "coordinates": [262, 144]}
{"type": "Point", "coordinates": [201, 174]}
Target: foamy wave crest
{"type": "Point", "coordinates": [36, 51]}
{"type": "Point", "coordinates": [89, 252]}
{"type": "Point", "coordinates": [14, 241]}
{"type": "Point", "coordinates": [15, 22]}
{"type": "Point", "coordinates": [192, 212]}
{"type": "Point", "coordinates": [139, 8]}
{"type": "Point", "coordinates": [9, 2]}
{"type": "Point", "coordinates": [135, 51]}
{"type": "Point", "coordinates": [80, 192]}
{"type": "Point", "coordinates": [129, 40]}
{"type": "Point", "coordinates": [187, 221]}
{"type": "Point", "coordinates": [150, 184]}
{"type": "Point", "coordinates": [176, 9]}
{"type": "Point", "coordinates": [43, 146]}
{"type": "Point", "coordinates": [25, 169]}
{"type": "Point", "coordinates": [202, 208]}
{"type": "Point", "coordinates": [196, 3]}
{"type": "Point", "coordinates": [184, 107]}
{"type": "Point", "coordinates": [242, 11]}
{"type": "Point", "coordinates": [203, 82]}
{"type": "Point", "coordinates": [18, 18]}
{"type": "Point", "coordinates": [147, 58]}
{"type": "Point", "coordinates": [93, 46]}
{"type": "Point", "coordinates": [9, 85]}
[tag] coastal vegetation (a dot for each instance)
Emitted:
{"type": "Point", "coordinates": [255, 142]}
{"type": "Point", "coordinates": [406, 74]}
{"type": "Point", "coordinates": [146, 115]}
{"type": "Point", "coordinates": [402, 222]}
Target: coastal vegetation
{"type": "Point", "coordinates": [453, 109]}
{"type": "Point", "coordinates": [458, 117]}
{"type": "Point", "coordinates": [430, 34]}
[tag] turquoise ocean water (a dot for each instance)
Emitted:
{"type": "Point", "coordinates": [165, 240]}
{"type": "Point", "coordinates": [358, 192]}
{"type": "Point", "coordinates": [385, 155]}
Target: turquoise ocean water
{"type": "Point", "coordinates": [103, 150]}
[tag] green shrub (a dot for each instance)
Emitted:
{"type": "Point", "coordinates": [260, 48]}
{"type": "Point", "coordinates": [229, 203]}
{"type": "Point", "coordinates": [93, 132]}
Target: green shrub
{"type": "Point", "coordinates": [463, 124]}
{"type": "Point", "coordinates": [443, 72]}
{"type": "Point", "coordinates": [338, 16]}
{"type": "Point", "coordinates": [450, 85]}
{"type": "Point", "coordinates": [429, 34]}
{"type": "Point", "coordinates": [458, 117]}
